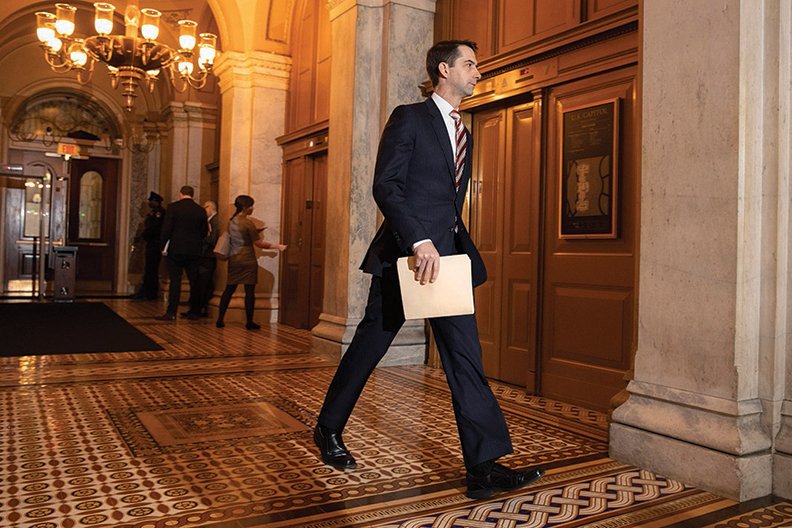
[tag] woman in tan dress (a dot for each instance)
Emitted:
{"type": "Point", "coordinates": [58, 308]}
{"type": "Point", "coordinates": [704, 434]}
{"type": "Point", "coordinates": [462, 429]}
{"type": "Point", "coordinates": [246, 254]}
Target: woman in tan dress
{"type": "Point", "coordinates": [242, 264]}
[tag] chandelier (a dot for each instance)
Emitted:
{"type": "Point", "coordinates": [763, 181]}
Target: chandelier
{"type": "Point", "coordinates": [131, 59]}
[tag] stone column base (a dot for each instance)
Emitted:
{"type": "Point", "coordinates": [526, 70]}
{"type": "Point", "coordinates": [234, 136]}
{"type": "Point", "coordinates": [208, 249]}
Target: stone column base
{"type": "Point", "coordinates": [782, 475]}
{"type": "Point", "coordinates": [736, 477]}
{"type": "Point", "coordinates": [331, 337]}
{"type": "Point", "coordinates": [782, 456]}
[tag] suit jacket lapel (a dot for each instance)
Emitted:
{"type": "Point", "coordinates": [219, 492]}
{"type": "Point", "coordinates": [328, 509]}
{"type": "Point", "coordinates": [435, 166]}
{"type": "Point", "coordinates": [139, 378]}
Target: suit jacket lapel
{"type": "Point", "coordinates": [438, 124]}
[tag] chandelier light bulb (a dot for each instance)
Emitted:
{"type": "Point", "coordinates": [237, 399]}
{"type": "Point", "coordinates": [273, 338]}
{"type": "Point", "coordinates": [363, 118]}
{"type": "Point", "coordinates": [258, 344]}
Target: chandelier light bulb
{"type": "Point", "coordinates": [152, 73]}
{"type": "Point", "coordinates": [185, 68]}
{"type": "Point", "coordinates": [103, 20]}
{"type": "Point", "coordinates": [149, 27]}
{"type": "Point", "coordinates": [77, 53]}
{"type": "Point", "coordinates": [64, 24]}
{"type": "Point", "coordinates": [55, 44]}
{"type": "Point", "coordinates": [207, 49]}
{"type": "Point", "coordinates": [187, 34]}
{"type": "Point", "coordinates": [45, 26]}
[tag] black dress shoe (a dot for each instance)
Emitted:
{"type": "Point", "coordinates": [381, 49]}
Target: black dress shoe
{"type": "Point", "coordinates": [332, 449]}
{"type": "Point", "coordinates": [499, 478]}
{"type": "Point", "coordinates": [166, 317]}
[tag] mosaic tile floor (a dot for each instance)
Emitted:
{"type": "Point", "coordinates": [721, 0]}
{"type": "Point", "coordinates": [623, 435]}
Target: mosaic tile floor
{"type": "Point", "coordinates": [216, 431]}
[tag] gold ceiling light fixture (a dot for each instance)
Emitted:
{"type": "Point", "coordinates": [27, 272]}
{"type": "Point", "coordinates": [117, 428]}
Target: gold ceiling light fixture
{"type": "Point", "coordinates": [131, 59]}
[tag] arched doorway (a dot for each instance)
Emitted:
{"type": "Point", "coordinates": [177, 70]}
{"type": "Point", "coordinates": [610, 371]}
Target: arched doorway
{"type": "Point", "coordinates": [80, 199]}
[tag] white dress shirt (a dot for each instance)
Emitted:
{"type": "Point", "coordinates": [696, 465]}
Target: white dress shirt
{"type": "Point", "coordinates": [445, 111]}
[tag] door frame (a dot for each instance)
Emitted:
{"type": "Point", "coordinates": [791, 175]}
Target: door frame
{"type": "Point", "coordinates": [109, 216]}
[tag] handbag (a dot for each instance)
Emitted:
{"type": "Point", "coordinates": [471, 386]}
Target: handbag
{"type": "Point", "coordinates": [222, 249]}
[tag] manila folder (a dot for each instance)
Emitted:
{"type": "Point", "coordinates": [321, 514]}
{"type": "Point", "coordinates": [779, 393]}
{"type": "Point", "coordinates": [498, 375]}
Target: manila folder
{"type": "Point", "coordinates": [450, 294]}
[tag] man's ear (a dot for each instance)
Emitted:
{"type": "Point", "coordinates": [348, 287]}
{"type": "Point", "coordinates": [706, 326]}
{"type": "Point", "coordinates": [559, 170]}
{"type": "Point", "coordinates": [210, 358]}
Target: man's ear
{"type": "Point", "coordinates": [443, 69]}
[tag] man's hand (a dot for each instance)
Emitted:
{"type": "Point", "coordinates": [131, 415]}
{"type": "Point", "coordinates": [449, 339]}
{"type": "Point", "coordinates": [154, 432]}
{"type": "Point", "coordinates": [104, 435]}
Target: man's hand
{"type": "Point", "coordinates": [427, 262]}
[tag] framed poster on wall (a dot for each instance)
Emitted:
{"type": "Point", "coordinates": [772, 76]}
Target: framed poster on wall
{"type": "Point", "coordinates": [588, 187]}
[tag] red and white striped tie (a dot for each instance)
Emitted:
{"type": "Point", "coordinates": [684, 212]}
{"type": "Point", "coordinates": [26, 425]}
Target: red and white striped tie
{"type": "Point", "coordinates": [461, 143]}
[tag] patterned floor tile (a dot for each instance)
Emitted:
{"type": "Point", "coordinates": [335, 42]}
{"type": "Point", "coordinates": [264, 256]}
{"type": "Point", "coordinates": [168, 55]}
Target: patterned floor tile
{"type": "Point", "coordinates": [773, 516]}
{"type": "Point", "coordinates": [158, 446]}
{"type": "Point", "coordinates": [215, 430]}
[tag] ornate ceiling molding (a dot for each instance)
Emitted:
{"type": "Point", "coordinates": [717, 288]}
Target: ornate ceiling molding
{"type": "Point", "coordinates": [253, 69]}
{"type": "Point", "coordinates": [339, 7]}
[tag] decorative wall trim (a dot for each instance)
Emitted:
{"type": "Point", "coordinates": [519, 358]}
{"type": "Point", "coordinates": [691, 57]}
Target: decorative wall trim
{"type": "Point", "coordinates": [339, 7]}
{"type": "Point", "coordinates": [584, 43]}
{"type": "Point", "coordinates": [253, 69]}
{"type": "Point", "coordinates": [696, 400]}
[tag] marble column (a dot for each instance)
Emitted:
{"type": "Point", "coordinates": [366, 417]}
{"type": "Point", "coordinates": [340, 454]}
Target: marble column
{"type": "Point", "coordinates": [253, 87]}
{"type": "Point", "coordinates": [781, 374]}
{"type": "Point", "coordinates": [379, 49]}
{"type": "Point", "coordinates": [190, 129]}
{"type": "Point", "coordinates": [710, 365]}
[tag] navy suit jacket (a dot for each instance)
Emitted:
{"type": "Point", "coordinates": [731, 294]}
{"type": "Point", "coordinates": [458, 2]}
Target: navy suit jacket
{"type": "Point", "coordinates": [186, 227]}
{"type": "Point", "coordinates": [414, 188]}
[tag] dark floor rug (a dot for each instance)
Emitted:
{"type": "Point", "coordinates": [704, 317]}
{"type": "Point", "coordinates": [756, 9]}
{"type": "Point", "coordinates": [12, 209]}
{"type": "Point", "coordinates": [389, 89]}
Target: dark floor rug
{"type": "Point", "coordinates": [39, 328]}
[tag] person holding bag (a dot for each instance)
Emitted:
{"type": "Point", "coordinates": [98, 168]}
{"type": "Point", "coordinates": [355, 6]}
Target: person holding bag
{"type": "Point", "coordinates": [243, 236]}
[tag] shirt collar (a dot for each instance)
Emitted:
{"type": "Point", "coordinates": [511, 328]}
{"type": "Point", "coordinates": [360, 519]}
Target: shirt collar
{"type": "Point", "coordinates": [443, 105]}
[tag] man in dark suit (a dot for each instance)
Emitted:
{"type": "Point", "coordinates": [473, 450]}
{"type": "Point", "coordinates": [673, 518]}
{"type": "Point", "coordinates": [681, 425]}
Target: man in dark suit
{"type": "Point", "coordinates": [181, 240]}
{"type": "Point", "coordinates": [420, 179]}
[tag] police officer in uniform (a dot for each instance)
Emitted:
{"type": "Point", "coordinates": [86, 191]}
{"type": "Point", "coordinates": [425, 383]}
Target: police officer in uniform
{"type": "Point", "coordinates": [152, 226]}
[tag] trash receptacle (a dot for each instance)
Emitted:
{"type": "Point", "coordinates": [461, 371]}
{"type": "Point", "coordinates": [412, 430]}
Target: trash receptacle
{"type": "Point", "coordinates": [65, 272]}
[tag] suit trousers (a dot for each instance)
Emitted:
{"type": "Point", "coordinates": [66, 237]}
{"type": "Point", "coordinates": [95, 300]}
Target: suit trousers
{"type": "Point", "coordinates": [176, 265]}
{"type": "Point", "coordinates": [482, 429]}
{"type": "Point", "coordinates": [205, 283]}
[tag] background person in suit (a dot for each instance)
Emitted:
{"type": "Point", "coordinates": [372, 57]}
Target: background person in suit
{"type": "Point", "coordinates": [207, 264]}
{"type": "Point", "coordinates": [181, 240]}
{"type": "Point", "coordinates": [420, 179]}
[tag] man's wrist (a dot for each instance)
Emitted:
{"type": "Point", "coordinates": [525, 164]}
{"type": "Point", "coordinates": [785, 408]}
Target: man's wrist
{"type": "Point", "coordinates": [424, 241]}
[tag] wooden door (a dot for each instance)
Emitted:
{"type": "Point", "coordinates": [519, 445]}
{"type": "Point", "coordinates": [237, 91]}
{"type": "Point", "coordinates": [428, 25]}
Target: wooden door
{"type": "Point", "coordinates": [295, 260]}
{"type": "Point", "coordinates": [318, 234]}
{"type": "Point", "coordinates": [589, 292]}
{"type": "Point", "coordinates": [505, 198]}
{"type": "Point", "coordinates": [92, 208]}
{"type": "Point", "coordinates": [302, 271]}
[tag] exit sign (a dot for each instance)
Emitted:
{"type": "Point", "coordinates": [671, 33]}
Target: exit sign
{"type": "Point", "coordinates": [68, 149]}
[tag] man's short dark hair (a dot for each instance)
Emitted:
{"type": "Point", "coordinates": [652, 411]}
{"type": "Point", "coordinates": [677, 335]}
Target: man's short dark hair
{"type": "Point", "coordinates": [187, 190]}
{"type": "Point", "coordinates": [444, 51]}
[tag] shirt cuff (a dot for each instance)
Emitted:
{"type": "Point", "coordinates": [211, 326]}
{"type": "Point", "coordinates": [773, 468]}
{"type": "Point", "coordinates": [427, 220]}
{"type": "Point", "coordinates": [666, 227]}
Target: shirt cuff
{"type": "Point", "coordinates": [420, 242]}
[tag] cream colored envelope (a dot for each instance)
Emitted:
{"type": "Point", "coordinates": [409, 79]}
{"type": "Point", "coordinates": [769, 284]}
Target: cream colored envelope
{"type": "Point", "coordinates": [450, 294]}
